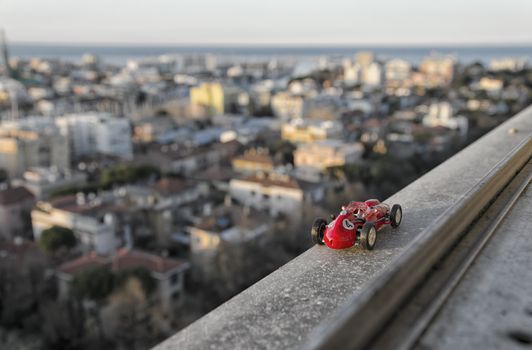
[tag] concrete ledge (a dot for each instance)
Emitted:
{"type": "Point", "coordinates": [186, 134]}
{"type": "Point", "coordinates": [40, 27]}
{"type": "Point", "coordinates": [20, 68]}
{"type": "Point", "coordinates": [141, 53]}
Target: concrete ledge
{"type": "Point", "coordinates": [284, 308]}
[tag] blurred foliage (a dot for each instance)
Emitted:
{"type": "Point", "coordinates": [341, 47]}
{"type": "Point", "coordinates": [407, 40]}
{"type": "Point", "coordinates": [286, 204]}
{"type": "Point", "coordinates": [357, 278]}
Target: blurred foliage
{"type": "Point", "coordinates": [283, 151]}
{"type": "Point", "coordinates": [56, 237]}
{"type": "Point", "coordinates": [142, 274]}
{"type": "Point", "coordinates": [117, 175]}
{"type": "Point", "coordinates": [122, 174]}
{"type": "Point", "coordinates": [95, 283]}
{"type": "Point", "coordinates": [64, 191]}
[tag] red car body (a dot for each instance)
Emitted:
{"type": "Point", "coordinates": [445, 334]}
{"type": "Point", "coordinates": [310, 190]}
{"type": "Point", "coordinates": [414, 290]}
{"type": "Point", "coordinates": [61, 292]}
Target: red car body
{"type": "Point", "coordinates": [344, 230]}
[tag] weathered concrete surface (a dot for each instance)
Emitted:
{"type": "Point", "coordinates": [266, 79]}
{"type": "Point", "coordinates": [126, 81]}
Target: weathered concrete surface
{"type": "Point", "coordinates": [492, 307]}
{"type": "Point", "coordinates": [282, 309]}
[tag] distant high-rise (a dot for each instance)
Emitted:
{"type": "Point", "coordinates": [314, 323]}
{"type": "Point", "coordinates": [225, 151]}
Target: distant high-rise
{"type": "Point", "coordinates": [5, 54]}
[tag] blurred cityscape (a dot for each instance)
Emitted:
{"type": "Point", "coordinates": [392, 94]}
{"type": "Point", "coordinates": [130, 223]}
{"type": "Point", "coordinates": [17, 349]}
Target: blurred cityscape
{"type": "Point", "coordinates": [137, 196]}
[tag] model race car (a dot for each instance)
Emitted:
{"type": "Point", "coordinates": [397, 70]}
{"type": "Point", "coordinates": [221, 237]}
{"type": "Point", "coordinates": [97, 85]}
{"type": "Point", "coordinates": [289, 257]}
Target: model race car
{"type": "Point", "coordinates": [357, 224]}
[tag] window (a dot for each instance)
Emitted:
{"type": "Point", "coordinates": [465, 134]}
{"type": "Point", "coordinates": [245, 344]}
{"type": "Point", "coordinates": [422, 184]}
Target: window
{"type": "Point", "coordinates": [174, 278]}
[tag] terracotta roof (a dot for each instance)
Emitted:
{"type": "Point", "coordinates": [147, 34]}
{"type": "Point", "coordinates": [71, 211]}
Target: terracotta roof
{"type": "Point", "coordinates": [14, 195]}
{"type": "Point", "coordinates": [128, 259]}
{"type": "Point", "coordinates": [169, 186]}
{"type": "Point", "coordinates": [256, 157]}
{"type": "Point", "coordinates": [70, 203]}
{"type": "Point", "coordinates": [272, 180]}
{"type": "Point", "coordinates": [82, 263]}
{"type": "Point", "coordinates": [124, 259]}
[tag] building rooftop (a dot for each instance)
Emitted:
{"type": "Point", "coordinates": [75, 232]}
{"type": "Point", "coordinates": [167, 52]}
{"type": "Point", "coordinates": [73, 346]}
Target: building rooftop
{"type": "Point", "coordinates": [124, 259]}
{"type": "Point", "coordinates": [256, 156]}
{"type": "Point", "coordinates": [79, 204]}
{"type": "Point", "coordinates": [272, 179]}
{"type": "Point", "coordinates": [169, 186]}
{"type": "Point", "coordinates": [225, 217]}
{"type": "Point", "coordinates": [14, 194]}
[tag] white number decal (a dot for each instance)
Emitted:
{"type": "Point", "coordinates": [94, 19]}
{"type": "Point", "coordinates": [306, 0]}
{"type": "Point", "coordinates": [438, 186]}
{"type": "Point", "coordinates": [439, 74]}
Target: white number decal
{"type": "Point", "coordinates": [348, 225]}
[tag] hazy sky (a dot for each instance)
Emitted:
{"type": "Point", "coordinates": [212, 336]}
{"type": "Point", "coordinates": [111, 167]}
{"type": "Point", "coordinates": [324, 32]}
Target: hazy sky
{"type": "Point", "coordinates": [268, 21]}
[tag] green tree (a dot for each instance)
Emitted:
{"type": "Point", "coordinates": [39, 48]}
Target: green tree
{"type": "Point", "coordinates": [94, 284]}
{"type": "Point", "coordinates": [68, 190]}
{"type": "Point", "coordinates": [123, 173]}
{"type": "Point", "coordinates": [56, 237]}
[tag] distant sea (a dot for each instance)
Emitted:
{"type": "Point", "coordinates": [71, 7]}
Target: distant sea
{"type": "Point", "coordinates": [120, 54]}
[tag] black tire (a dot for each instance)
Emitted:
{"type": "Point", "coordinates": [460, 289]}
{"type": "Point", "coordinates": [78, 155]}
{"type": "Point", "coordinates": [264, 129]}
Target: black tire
{"type": "Point", "coordinates": [396, 215]}
{"type": "Point", "coordinates": [317, 231]}
{"type": "Point", "coordinates": [368, 236]}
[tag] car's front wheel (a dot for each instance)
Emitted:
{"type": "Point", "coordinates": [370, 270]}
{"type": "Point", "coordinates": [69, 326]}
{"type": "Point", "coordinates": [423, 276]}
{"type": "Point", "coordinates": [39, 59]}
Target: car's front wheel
{"type": "Point", "coordinates": [318, 230]}
{"type": "Point", "coordinates": [396, 215]}
{"type": "Point", "coordinates": [368, 236]}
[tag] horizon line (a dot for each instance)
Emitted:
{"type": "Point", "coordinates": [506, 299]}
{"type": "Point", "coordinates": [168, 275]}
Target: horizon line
{"type": "Point", "coordinates": [277, 45]}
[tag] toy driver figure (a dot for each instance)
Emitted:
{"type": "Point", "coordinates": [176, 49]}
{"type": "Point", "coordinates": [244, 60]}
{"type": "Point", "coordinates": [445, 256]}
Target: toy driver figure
{"type": "Point", "coordinates": [369, 211]}
{"type": "Point", "coordinates": [355, 210]}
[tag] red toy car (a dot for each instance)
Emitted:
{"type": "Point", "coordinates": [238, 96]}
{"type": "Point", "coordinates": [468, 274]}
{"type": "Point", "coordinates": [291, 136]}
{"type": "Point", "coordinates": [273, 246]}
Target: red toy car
{"type": "Point", "coordinates": [357, 223]}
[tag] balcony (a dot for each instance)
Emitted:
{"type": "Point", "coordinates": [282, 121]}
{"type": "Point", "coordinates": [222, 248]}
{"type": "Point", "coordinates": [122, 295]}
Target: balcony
{"type": "Point", "coordinates": [315, 300]}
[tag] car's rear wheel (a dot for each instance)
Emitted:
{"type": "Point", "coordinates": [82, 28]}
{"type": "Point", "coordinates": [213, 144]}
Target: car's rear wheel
{"type": "Point", "coordinates": [396, 215]}
{"type": "Point", "coordinates": [368, 236]}
{"type": "Point", "coordinates": [318, 230]}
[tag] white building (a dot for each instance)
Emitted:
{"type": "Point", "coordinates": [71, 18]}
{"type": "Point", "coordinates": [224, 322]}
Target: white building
{"type": "Point", "coordinates": [93, 226]}
{"type": "Point", "coordinates": [441, 114]}
{"type": "Point", "coordinates": [229, 223]}
{"type": "Point", "coordinates": [276, 193]}
{"type": "Point", "coordinates": [97, 133]}
{"type": "Point", "coordinates": [352, 72]}
{"type": "Point", "coordinates": [511, 64]}
{"type": "Point", "coordinates": [168, 274]}
{"type": "Point", "coordinates": [43, 181]}
{"type": "Point", "coordinates": [287, 106]}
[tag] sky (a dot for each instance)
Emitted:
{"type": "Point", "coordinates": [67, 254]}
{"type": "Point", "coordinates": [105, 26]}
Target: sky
{"type": "Point", "coordinates": [304, 22]}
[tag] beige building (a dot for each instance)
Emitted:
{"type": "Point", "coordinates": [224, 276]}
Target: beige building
{"type": "Point", "coordinates": [437, 70]}
{"type": "Point", "coordinates": [304, 130]}
{"type": "Point", "coordinates": [255, 159]}
{"type": "Point", "coordinates": [492, 85]}
{"type": "Point", "coordinates": [364, 58]}
{"type": "Point", "coordinates": [324, 154]}
{"type": "Point", "coordinates": [397, 70]}
{"type": "Point", "coordinates": [147, 130]}
{"type": "Point", "coordinates": [22, 149]}
{"type": "Point", "coordinates": [217, 98]}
